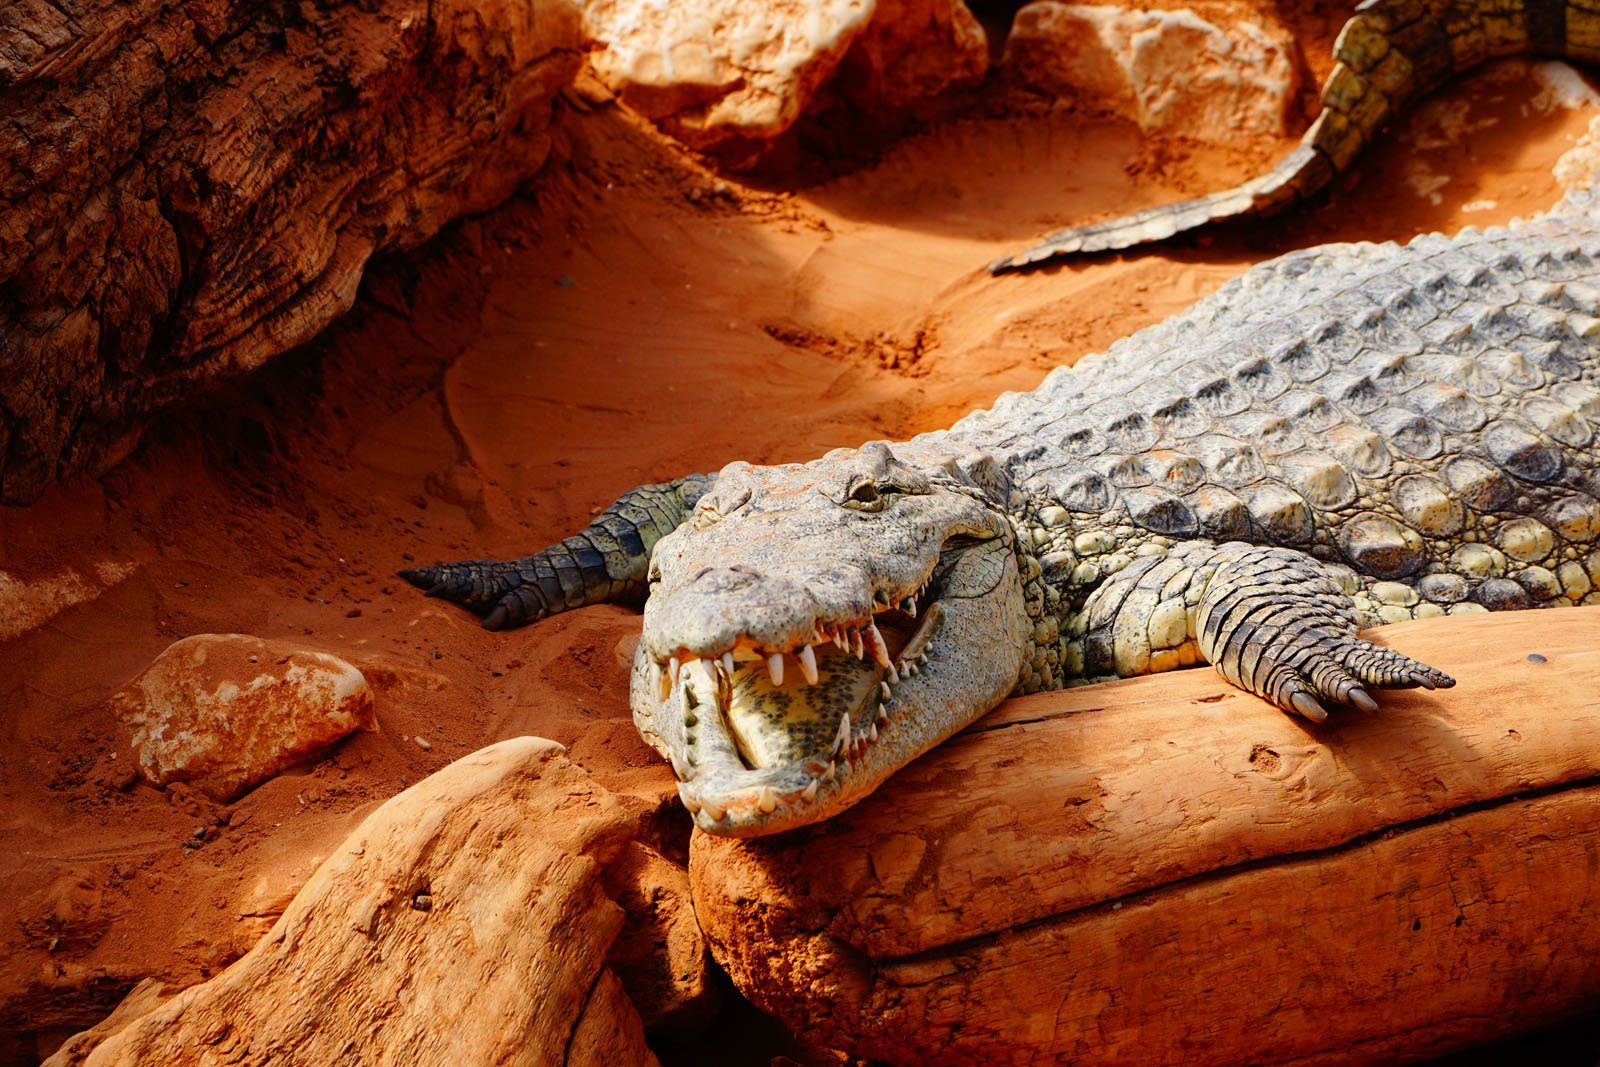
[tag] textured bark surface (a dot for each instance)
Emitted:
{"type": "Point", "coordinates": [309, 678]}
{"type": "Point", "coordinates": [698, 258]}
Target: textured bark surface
{"type": "Point", "coordinates": [1167, 870]}
{"type": "Point", "coordinates": [190, 187]}
{"type": "Point", "coordinates": [465, 921]}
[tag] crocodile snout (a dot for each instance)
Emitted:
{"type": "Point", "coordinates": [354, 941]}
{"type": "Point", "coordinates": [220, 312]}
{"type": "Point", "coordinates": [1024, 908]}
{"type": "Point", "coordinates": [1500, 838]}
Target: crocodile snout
{"type": "Point", "coordinates": [715, 580]}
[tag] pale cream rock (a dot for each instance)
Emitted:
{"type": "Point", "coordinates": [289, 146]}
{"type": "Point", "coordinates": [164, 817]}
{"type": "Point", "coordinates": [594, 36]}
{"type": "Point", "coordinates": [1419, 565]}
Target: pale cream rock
{"type": "Point", "coordinates": [28, 604]}
{"type": "Point", "coordinates": [724, 71]}
{"type": "Point", "coordinates": [1169, 71]}
{"type": "Point", "coordinates": [225, 712]}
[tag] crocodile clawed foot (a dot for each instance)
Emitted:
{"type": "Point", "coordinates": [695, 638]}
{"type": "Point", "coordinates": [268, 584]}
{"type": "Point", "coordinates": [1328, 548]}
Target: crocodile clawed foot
{"type": "Point", "coordinates": [1339, 668]}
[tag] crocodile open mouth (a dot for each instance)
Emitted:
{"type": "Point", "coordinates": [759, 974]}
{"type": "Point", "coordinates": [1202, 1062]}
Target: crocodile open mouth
{"type": "Point", "coordinates": [770, 734]}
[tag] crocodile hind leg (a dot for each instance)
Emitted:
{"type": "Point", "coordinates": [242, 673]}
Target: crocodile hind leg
{"type": "Point", "coordinates": [1274, 621]}
{"type": "Point", "coordinates": [1271, 620]}
{"type": "Point", "coordinates": [607, 562]}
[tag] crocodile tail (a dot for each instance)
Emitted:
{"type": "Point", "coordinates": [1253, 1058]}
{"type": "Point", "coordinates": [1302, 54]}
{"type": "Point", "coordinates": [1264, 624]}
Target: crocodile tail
{"type": "Point", "coordinates": [608, 562]}
{"type": "Point", "coordinates": [1390, 54]}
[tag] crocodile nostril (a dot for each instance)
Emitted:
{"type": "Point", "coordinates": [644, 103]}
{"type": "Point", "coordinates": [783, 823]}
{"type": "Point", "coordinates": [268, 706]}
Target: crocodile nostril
{"type": "Point", "coordinates": [725, 579]}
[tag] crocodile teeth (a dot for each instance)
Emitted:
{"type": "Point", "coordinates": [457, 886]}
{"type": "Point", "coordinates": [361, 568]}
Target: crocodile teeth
{"type": "Point", "coordinates": [659, 676]}
{"type": "Point", "coordinates": [727, 664]}
{"type": "Point", "coordinates": [842, 738]}
{"type": "Point", "coordinates": [872, 731]}
{"type": "Point", "coordinates": [880, 597]}
{"type": "Point", "coordinates": [715, 813]}
{"type": "Point", "coordinates": [768, 801]}
{"type": "Point", "coordinates": [889, 669]}
{"type": "Point", "coordinates": [775, 668]}
{"type": "Point", "coordinates": [688, 801]}
{"type": "Point", "coordinates": [810, 792]}
{"type": "Point", "coordinates": [883, 715]}
{"type": "Point", "coordinates": [887, 692]}
{"type": "Point", "coordinates": [808, 664]}
{"type": "Point", "coordinates": [673, 667]}
{"type": "Point", "coordinates": [841, 640]}
{"type": "Point", "coordinates": [909, 606]}
{"type": "Point", "coordinates": [880, 650]}
{"type": "Point", "coordinates": [855, 644]}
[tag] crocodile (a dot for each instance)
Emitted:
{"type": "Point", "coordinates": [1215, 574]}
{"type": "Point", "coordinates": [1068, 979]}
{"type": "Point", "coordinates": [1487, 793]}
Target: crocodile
{"type": "Point", "coordinates": [1389, 55]}
{"type": "Point", "coordinates": [1345, 436]}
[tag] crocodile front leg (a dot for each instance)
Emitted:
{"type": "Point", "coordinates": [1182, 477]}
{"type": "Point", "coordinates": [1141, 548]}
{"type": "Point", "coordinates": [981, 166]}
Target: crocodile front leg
{"type": "Point", "coordinates": [1275, 622]}
{"type": "Point", "coordinates": [607, 562]}
{"type": "Point", "coordinates": [1271, 620]}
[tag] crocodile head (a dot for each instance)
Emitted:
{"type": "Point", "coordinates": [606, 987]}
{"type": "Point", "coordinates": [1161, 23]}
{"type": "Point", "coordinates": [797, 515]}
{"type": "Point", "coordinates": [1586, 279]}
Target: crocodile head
{"type": "Point", "coordinates": [815, 627]}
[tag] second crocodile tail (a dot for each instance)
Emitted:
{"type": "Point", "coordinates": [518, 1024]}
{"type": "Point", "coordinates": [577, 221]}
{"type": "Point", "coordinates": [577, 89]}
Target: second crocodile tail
{"type": "Point", "coordinates": [1390, 54]}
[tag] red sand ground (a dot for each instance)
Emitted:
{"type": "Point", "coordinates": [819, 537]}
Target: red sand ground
{"type": "Point", "coordinates": [633, 317]}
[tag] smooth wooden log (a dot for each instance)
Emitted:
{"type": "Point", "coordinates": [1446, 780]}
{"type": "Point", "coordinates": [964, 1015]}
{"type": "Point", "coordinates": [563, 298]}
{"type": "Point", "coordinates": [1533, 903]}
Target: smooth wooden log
{"type": "Point", "coordinates": [1168, 870]}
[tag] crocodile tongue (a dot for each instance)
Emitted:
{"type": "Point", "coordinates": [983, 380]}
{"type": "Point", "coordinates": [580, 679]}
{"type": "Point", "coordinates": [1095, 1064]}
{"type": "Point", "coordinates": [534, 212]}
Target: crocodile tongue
{"type": "Point", "coordinates": [774, 725]}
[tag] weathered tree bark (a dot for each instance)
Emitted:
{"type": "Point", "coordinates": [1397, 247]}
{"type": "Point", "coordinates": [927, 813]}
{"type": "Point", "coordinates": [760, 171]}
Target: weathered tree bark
{"type": "Point", "coordinates": [1168, 870]}
{"type": "Point", "coordinates": [189, 187]}
{"type": "Point", "coordinates": [465, 921]}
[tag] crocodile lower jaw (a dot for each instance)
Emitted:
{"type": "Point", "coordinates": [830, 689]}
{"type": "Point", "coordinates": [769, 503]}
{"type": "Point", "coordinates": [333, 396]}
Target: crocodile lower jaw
{"type": "Point", "coordinates": [760, 757]}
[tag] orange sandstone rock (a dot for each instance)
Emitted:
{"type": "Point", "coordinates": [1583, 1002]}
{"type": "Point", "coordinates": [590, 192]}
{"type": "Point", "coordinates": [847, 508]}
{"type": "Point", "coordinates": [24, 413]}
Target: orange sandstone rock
{"type": "Point", "coordinates": [1165, 869]}
{"type": "Point", "coordinates": [465, 921]}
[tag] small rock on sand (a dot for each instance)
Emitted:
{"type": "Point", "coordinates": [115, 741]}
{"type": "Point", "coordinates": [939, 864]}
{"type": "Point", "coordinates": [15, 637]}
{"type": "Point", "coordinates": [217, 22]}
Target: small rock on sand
{"type": "Point", "coordinates": [225, 712]}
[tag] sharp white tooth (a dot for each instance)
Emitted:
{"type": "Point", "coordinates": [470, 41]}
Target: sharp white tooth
{"type": "Point", "coordinates": [922, 657]}
{"type": "Point", "coordinates": [883, 715]}
{"type": "Point", "coordinates": [889, 669]}
{"type": "Point", "coordinates": [884, 688]}
{"type": "Point", "coordinates": [808, 664]}
{"type": "Point", "coordinates": [872, 731]}
{"type": "Point", "coordinates": [833, 768]}
{"type": "Point", "coordinates": [775, 668]}
{"type": "Point", "coordinates": [713, 811]}
{"type": "Point", "coordinates": [768, 801]}
{"type": "Point", "coordinates": [673, 667]}
{"type": "Point", "coordinates": [880, 649]}
{"type": "Point", "coordinates": [842, 738]}
{"type": "Point", "coordinates": [727, 664]}
{"type": "Point", "coordinates": [811, 790]}
{"type": "Point", "coordinates": [659, 674]}
{"type": "Point", "coordinates": [855, 644]}
{"type": "Point", "coordinates": [688, 801]}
